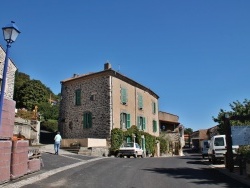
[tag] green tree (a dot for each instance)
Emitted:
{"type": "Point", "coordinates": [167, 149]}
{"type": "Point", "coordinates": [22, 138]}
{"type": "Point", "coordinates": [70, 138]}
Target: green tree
{"type": "Point", "coordinates": [48, 111]}
{"type": "Point", "coordinates": [239, 115]}
{"type": "Point", "coordinates": [32, 93]}
{"type": "Point", "coordinates": [20, 79]}
{"type": "Point", "coordinates": [188, 131]}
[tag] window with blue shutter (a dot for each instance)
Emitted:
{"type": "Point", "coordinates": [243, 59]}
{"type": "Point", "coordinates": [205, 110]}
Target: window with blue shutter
{"type": "Point", "coordinates": [124, 121]}
{"type": "Point", "coordinates": [154, 107]}
{"type": "Point", "coordinates": [87, 120]}
{"type": "Point", "coordinates": [154, 126]}
{"type": "Point", "coordinates": [141, 123]}
{"type": "Point", "coordinates": [78, 97]}
{"type": "Point", "coordinates": [140, 102]}
{"type": "Point", "coordinates": [124, 97]}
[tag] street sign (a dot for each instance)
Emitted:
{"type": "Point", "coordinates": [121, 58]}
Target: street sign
{"type": "Point", "coordinates": [240, 135]}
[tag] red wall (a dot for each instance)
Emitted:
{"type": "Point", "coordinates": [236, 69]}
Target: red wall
{"type": "Point", "coordinates": [5, 158]}
{"type": "Point", "coordinates": [8, 119]}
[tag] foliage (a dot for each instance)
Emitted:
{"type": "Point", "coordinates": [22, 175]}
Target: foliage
{"type": "Point", "coordinates": [20, 79]}
{"type": "Point", "coordinates": [239, 115]}
{"type": "Point", "coordinates": [150, 143]}
{"type": "Point", "coordinates": [49, 125]}
{"type": "Point", "coordinates": [48, 111]}
{"type": "Point", "coordinates": [133, 130]}
{"type": "Point", "coordinates": [118, 136]}
{"type": "Point", "coordinates": [188, 131]}
{"type": "Point", "coordinates": [163, 144]}
{"type": "Point", "coordinates": [29, 93]}
{"type": "Point", "coordinates": [245, 151]}
{"type": "Point", "coordinates": [24, 114]}
{"type": "Point", "coordinates": [116, 139]}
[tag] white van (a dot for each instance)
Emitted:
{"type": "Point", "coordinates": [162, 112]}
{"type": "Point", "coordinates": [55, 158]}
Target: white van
{"type": "Point", "coordinates": [217, 148]}
{"type": "Point", "coordinates": [204, 148]}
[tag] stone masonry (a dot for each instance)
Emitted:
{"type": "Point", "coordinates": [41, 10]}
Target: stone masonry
{"type": "Point", "coordinates": [9, 87]}
{"type": "Point", "coordinates": [95, 98]}
{"type": "Point", "coordinates": [101, 96]}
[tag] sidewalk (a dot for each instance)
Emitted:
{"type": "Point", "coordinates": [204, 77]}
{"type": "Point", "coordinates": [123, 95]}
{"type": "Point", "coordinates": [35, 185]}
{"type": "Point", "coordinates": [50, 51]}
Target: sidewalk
{"type": "Point", "coordinates": [49, 148]}
{"type": "Point", "coordinates": [235, 175]}
{"type": "Point", "coordinates": [51, 164]}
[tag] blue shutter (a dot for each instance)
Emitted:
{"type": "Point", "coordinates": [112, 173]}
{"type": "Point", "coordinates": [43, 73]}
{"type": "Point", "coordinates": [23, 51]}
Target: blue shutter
{"type": "Point", "coordinates": [144, 123]}
{"type": "Point", "coordinates": [138, 123]}
{"type": "Point", "coordinates": [121, 115]}
{"type": "Point", "coordinates": [123, 96]}
{"type": "Point", "coordinates": [128, 121]}
{"type": "Point", "coordinates": [78, 97]}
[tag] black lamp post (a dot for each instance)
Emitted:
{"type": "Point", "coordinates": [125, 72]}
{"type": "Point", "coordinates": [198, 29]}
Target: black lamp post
{"type": "Point", "coordinates": [10, 33]}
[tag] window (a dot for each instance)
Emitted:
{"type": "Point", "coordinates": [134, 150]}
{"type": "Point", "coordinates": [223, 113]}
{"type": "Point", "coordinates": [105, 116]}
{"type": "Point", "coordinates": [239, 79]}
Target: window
{"type": "Point", "coordinates": [140, 102]}
{"type": "Point", "coordinates": [78, 97]}
{"type": "Point", "coordinates": [124, 97]}
{"type": "Point", "coordinates": [141, 123]}
{"type": "Point", "coordinates": [124, 121]}
{"type": "Point", "coordinates": [128, 140]}
{"type": "Point", "coordinates": [87, 120]}
{"type": "Point", "coordinates": [219, 141]}
{"type": "Point", "coordinates": [154, 126]}
{"type": "Point", "coordinates": [154, 107]}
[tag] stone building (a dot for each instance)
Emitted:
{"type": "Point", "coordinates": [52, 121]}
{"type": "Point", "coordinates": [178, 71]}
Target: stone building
{"type": "Point", "coordinates": [93, 104]}
{"type": "Point", "coordinates": [171, 129]}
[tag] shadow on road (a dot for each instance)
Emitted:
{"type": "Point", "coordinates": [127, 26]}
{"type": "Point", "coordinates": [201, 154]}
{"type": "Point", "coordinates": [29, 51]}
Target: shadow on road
{"type": "Point", "coordinates": [200, 176]}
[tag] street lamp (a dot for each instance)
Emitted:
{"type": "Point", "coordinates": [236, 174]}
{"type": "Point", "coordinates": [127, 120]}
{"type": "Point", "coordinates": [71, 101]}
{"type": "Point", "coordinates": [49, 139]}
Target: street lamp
{"type": "Point", "coordinates": [10, 33]}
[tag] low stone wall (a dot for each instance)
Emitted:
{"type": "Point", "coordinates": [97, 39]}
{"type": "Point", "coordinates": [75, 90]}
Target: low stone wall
{"type": "Point", "coordinates": [85, 142]}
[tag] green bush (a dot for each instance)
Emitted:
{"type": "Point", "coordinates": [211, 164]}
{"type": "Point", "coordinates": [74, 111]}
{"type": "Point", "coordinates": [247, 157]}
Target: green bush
{"type": "Point", "coordinates": [50, 125]}
{"type": "Point", "coordinates": [245, 151]}
{"type": "Point", "coordinates": [163, 145]}
{"type": "Point", "coordinates": [116, 139]}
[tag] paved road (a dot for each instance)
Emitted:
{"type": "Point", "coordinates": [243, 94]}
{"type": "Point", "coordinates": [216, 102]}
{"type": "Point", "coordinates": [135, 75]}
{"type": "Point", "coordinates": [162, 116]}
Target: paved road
{"type": "Point", "coordinates": [88, 172]}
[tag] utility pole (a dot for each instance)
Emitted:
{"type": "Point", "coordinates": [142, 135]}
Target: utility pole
{"type": "Point", "coordinates": [229, 154]}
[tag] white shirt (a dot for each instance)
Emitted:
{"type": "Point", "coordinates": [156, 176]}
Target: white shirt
{"type": "Point", "coordinates": [58, 138]}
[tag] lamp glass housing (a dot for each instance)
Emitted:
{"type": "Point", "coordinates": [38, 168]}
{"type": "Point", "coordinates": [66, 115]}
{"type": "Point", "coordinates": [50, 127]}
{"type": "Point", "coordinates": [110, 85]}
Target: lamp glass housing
{"type": "Point", "coordinates": [10, 32]}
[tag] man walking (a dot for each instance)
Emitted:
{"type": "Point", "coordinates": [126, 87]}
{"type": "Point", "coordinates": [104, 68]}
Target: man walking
{"type": "Point", "coordinates": [58, 140]}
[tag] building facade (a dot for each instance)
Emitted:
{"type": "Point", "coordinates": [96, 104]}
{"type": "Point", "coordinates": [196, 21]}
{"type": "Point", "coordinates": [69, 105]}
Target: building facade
{"type": "Point", "coordinates": [93, 104]}
{"type": "Point", "coordinates": [10, 79]}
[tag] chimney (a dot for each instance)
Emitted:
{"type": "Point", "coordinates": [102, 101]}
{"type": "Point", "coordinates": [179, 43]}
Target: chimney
{"type": "Point", "coordinates": [107, 66]}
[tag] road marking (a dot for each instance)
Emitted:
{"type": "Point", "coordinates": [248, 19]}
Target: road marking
{"type": "Point", "coordinates": [45, 175]}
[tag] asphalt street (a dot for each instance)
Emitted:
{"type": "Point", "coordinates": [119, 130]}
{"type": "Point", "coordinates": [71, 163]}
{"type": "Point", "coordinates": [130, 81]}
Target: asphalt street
{"type": "Point", "coordinates": [69, 170]}
{"type": "Point", "coordinates": [72, 170]}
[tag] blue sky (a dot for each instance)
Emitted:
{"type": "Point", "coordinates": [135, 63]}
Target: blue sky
{"type": "Point", "coordinates": [194, 54]}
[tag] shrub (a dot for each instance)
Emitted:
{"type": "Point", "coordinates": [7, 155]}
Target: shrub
{"type": "Point", "coordinates": [50, 125]}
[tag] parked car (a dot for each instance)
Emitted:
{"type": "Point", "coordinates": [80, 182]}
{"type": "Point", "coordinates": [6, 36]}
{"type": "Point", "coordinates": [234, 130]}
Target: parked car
{"type": "Point", "coordinates": [217, 148]}
{"type": "Point", "coordinates": [204, 148]}
{"type": "Point", "coordinates": [131, 149]}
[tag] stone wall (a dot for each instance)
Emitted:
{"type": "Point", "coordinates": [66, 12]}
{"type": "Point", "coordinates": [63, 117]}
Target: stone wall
{"type": "Point", "coordinates": [95, 98]}
{"type": "Point", "coordinates": [10, 80]}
